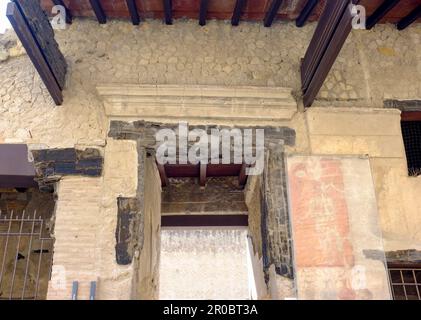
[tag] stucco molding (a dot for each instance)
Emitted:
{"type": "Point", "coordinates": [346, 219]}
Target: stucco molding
{"type": "Point", "coordinates": [201, 104]}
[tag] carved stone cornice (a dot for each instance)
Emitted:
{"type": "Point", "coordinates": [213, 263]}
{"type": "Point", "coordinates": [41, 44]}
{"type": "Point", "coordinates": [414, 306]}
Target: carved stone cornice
{"type": "Point", "coordinates": [199, 104]}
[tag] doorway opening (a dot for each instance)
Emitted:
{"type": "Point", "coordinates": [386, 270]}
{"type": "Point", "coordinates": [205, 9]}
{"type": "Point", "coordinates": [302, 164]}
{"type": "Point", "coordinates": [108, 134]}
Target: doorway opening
{"type": "Point", "coordinates": [205, 250]}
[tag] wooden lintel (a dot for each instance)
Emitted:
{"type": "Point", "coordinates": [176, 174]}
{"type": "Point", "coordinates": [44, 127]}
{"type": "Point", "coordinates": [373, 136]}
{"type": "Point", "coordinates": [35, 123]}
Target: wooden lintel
{"type": "Point", "coordinates": [99, 12]}
{"type": "Point", "coordinates": [69, 16]}
{"type": "Point", "coordinates": [131, 5]}
{"type": "Point", "coordinates": [238, 11]}
{"type": "Point", "coordinates": [272, 12]}
{"type": "Point", "coordinates": [202, 177]}
{"type": "Point", "coordinates": [168, 11]}
{"type": "Point", "coordinates": [235, 220]}
{"type": "Point", "coordinates": [411, 116]}
{"type": "Point", "coordinates": [29, 42]}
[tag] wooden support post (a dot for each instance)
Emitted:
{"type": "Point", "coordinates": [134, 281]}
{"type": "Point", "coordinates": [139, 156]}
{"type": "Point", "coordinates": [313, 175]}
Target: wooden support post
{"type": "Point", "coordinates": [272, 12]}
{"type": "Point", "coordinates": [410, 18]}
{"type": "Point", "coordinates": [203, 11]}
{"type": "Point", "coordinates": [306, 12]}
{"type": "Point", "coordinates": [33, 49]}
{"type": "Point", "coordinates": [242, 178]}
{"type": "Point", "coordinates": [131, 5]}
{"type": "Point", "coordinates": [168, 12]}
{"type": "Point", "coordinates": [381, 11]}
{"type": "Point", "coordinates": [202, 178]}
{"type": "Point", "coordinates": [68, 14]}
{"type": "Point", "coordinates": [99, 12]}
{"type": "Point", "coordinates": [164, 179]}
{"type": "Point", "coordinates": [238, 10]}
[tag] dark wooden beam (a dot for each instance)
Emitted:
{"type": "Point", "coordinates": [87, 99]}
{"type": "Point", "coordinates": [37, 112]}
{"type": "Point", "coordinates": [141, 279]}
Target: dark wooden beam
{"type": "Point", "coordinates": [33, 49]}
{"type": "Point", "coordinates": [411, 116]}
{"type": "Point", "coordinates": [99, 12]}
{"type": "Point", "coordinates": [328, 21]}
{"type": "Point", "coordinates": [335, 44]}
{"type": "Point", "coordinates": [131, 5]}
{"type": "Point", "coordinates": [202, 177]}
{"type": "Point", "coordinates": [162, 173]}
{"type": "Point", "coordinates": [410, 18]}
{"type": "Point", "coordinates": [272, 12]}
{"type": "Point", "coordinates": [242, 178]}
{"type": "Point", "coordinates": [69, 16]}
{"type": "Point", "coordinates": [380, 12]}
{"type": "Point", "coordinates": [306, 12]}
{"type": "Point", "coordinates": [238, 11]}
{"type": "Point", "coordinates": [168, 12]}
{"type": "Point", "coordinates": [203, 11]}
{"type": "Point", "coordinates": [192, 220]}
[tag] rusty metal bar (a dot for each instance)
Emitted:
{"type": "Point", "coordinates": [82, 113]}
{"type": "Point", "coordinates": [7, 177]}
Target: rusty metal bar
{"type": "Point", "coordinates": [28, 257]}
{"type": "Point", "coordinates": [38, 270]}
{"type": "Point", "coordinates": [16, 257]}
{"type": "Point", "coordinates": [5, 250]}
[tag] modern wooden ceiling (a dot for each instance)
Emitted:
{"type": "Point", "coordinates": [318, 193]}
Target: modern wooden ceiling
{"type": "Point", "coordinates": [252, 10]}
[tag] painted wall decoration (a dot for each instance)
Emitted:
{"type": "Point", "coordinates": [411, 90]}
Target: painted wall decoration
{"type": "Point", "coordinates": [334, 221]}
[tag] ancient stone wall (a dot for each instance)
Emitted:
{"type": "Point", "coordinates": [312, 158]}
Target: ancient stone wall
{"type": "Point", "coordinates": [373, 65]}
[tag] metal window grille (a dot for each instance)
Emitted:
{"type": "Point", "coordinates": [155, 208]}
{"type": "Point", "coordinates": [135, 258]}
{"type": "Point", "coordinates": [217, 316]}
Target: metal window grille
{"type": "Point", "coordinates": [411, 132]}
{"type": "Point", "coordinates": [405, 281]}
{"type": "Point", "coordinates": [26, 252]}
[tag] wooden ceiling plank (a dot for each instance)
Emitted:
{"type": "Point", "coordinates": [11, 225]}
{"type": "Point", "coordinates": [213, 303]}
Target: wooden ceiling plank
{"type": "Point", "coordinates": [134, 14]}
{"type": "Point", "coordinates": [238, 11]}
{"type": "Point", "coordinates": [203, 12]}
{"type": "Point", "coordinates": [272, 12]}
{"type": "Point", "coordinates": [380, 12]}
{"type": "Point", "coordinates": [306, 12]}
{"type": "Point", "coordinates": [69, 16]}
{"type": "Point", "coordinates": [410, 18]}
{"type": "Point", "coordinates": [99, 11]}
{"type": "Point", "coordinates": [168, 12]}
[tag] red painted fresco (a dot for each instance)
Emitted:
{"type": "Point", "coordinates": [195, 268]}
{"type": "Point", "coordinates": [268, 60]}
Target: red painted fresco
{"type": "Point", "coordinates": [320, 215]}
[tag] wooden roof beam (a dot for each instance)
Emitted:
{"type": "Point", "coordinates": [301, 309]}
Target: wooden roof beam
{"type": "Point", "coordinates": [99, 12]}
{"type": "Point", "coordinates": [306, 12]}
{"type": "Point", "coordinates": [203, 11]}
{"type": "Point", "coordinates": [131, 5]}
{"type": "Point", "coordinates": [410, 18]}
{"type": "Point", "coordinates": [69, 16]}
{"type": "Point", "coordinates": [34, 51]}
{"type": "Point", "coordinates": [238, 11]}
{"type": "Point", "coordinates": [380, 12]}
{"type": "Point", "coordinates": [272, 12]}
{"type": "Point", "coordinates": [329, 37]}
{"type": "Point", "coordinates": [168, 11]}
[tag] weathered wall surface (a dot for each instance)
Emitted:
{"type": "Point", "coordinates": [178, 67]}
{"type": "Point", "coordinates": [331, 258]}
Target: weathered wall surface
{"type": "Point", "coordinates": [217, 54]}
{"type": "Point", "coordinates": [376, 133]}
{"type": "Point", "coordinates": [334, 220]}
{"type": "Point", "coordinates": [204, 263]}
